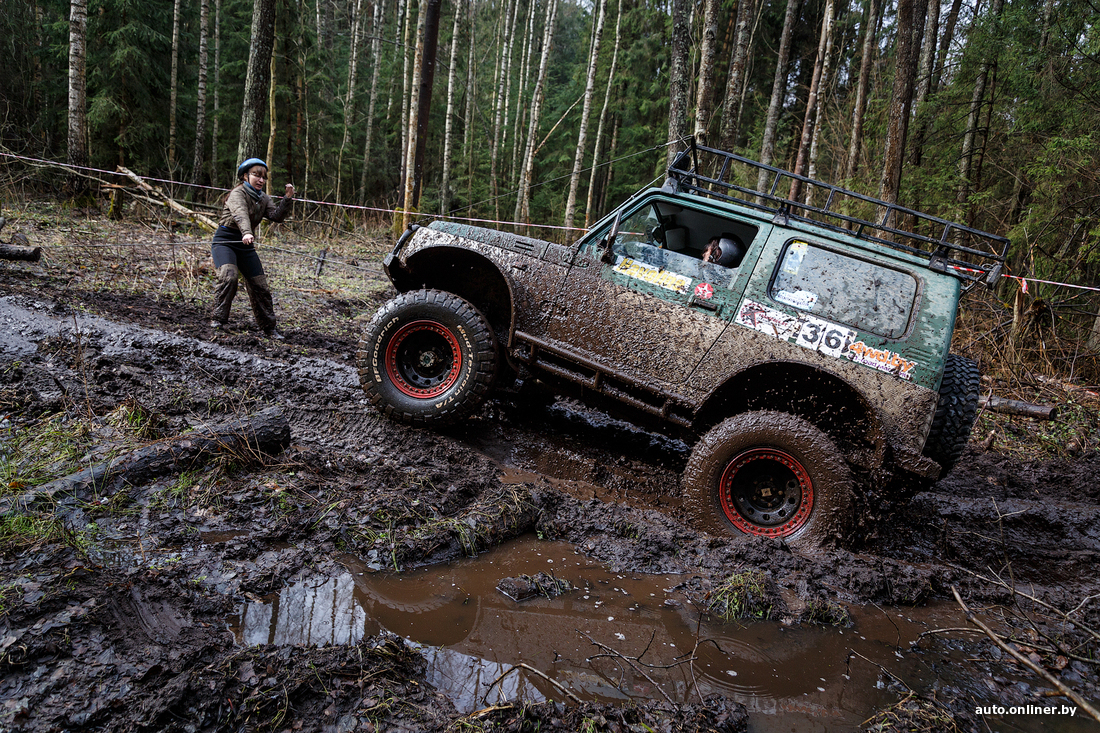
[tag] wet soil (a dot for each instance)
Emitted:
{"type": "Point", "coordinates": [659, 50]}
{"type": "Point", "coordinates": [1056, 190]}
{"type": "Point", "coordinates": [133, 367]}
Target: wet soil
{"type": "Point", "coordinates": [130, 619]}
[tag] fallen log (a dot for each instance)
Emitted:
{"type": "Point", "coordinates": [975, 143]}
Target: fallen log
{"type": "Point", "coordinates": [266, 432]}
{"type": "Point", "coordinates": [22, 254]}
{"type": "Point", "coordinates": [163, 199]}
{"type": "Point", "coordinates": [1018, 407]}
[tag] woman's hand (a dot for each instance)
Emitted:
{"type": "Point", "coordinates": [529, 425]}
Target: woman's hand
{"type": "Point", "coordinates": [248, 239]}
{"type": "Point", "coordinates": [289, 191]}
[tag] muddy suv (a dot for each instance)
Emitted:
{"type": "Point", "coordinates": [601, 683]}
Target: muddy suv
{"type": "Point", "coordinates": [806, 357]}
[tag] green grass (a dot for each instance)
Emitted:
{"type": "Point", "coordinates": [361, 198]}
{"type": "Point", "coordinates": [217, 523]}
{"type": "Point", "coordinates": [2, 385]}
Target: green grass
{"type": "Point", "coordinates": [42, 451]}
{"type": "Point", "coordinates": [743, 595]}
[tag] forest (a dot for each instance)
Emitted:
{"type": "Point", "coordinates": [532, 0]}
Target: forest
{"type": "Point", "coordinates": [552, 112]}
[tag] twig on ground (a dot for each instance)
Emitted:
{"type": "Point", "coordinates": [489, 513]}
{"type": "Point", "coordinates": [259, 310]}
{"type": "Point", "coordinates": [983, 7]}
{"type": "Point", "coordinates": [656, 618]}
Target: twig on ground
{"type": "Point", "coordinates": [1067, 692]}
{"type": "Point", "coordinates": [557, 685]}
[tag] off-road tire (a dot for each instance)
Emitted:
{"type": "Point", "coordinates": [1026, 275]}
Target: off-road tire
{"type": "Point", "coordinates": [955, 412]}
{"type": "Point", "coordinates": [427, 357]}
{"type": "Point", "coordinates": [773, 444]}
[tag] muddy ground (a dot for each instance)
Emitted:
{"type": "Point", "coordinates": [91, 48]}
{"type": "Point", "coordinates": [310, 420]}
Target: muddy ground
{"type": "Point", "coordinates": [114, 601]}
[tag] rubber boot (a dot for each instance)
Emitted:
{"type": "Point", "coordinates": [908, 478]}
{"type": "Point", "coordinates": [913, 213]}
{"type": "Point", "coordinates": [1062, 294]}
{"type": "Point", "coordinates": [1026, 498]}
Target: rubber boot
{"type": "Point", "coordinates": [259, 294]}
{"type": "Point", "coordinates": [225, 289]}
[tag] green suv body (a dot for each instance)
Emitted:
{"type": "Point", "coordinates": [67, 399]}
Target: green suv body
{"type": "Point", "coordinates": [809, 362]}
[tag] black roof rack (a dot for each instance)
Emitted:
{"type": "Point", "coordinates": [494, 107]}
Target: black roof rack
{"type": "Point", "coordinates": [967, 253]}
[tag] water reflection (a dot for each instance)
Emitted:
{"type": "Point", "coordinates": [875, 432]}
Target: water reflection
{"type": "Point", "coordinates": [804, 677]}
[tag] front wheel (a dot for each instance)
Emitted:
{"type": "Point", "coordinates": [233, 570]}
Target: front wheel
{"type": "Point", "coordinates": [769, 474]}
{"type": "Point", "coordinates": [427, 356]}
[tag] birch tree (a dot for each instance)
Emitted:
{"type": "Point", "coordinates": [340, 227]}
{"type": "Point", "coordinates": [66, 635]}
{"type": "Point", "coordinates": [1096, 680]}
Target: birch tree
{"type": "Point", "coordinates": [77, 147]}
{"type": "Point", "coordinates": [735, 79]}
{"type": "Point", "coordinates": [376, 63]}
{"type": "Point", "coordinates": [523, 200]}
{"type": "Point", "coordinates": [445, 185]}
{"type": "Point", "coordinates": [174, 93]}
{"type": "Point", "coordinates": [586, 109]}
{"type": "Point", "coordinates": [704, 103]}
{"type": "Point", "coordinates": [678, 76]}
{"type": "Point", "coordinates": [810, 118]}
{"type": "Point", "coordinates": [977, 99]}
{"type": "Point", "coordinates": [215, 123]}
{"type": "Point", "coordinates": [859, 108]}
{"type": "Point", "coordinates": [200, 105]}
{"type": "Point", "coordinates": [348, 100]}
{"type": "Point", "coordinates": [779, 91]}
{"type": "Point", "coordinates": [598, 151]}
{"type": "Point", "coordinates": [507, 33]}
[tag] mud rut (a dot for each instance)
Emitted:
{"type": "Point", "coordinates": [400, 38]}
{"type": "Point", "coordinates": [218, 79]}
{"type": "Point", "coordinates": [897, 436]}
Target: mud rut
{"type": "Point", "coordinates": [130, 636]}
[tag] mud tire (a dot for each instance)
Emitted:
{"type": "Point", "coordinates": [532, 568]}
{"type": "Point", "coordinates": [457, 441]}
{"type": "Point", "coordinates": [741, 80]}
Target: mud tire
{"type": "Point", "coordinates": [955, 412]}
{"type": "Point", "coordinates": [427, 357]}
{"type": "Point", "coordinates": [774, 437]}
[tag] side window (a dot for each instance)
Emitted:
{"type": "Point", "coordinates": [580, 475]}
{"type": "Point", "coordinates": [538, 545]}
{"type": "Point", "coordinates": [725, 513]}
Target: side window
{"type": "Point", "coordinates": [862, 294]}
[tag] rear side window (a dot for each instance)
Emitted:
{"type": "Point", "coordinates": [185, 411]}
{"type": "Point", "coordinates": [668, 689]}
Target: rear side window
{"type": "Point", "coordinates": [840, 288]}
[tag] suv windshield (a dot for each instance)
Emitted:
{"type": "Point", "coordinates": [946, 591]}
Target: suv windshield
{"type": "Point", "coordinates": [841, 288]}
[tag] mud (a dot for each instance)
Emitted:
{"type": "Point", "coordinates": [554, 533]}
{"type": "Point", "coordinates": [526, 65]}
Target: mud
{"type": "Point", "coordinates": [123, 619]}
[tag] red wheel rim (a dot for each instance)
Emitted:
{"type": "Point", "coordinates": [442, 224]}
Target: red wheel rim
{"type": "Point", "coordinates": [766, 492]}
{"type": "Point", "coordinates": [423, 359]}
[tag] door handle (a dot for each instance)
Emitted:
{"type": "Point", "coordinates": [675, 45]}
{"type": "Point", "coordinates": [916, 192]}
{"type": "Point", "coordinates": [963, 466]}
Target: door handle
{"type": "Point", "coordinates": [705, 304]}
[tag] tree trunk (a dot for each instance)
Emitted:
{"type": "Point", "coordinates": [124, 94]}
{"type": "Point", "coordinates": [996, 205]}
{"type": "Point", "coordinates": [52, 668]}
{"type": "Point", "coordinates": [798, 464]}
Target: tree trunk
{"type": "Point", "coordinates": [586, 110]}
{"type": "Point", "coordinates": [215, 123]}
{"type": "Point", "coordinates": [859, 109]}
{"type": "Point", "coordinates": [589, 214]}
{"type": "Point", "coordinates": [471, 91]}
{"type": "Point", "coordinates": [174, 89]}
{"type": "Point", "coordinates": [779, 91]}
{"type": "Point", "coordinates": [406, 98]}
{"type": "Point", "coordinates": [809, 120]}
{"type": "Point", "coordinates": [523, 99]}
{"type": "Point", "coordinates": [910, 13]}
{"type": "Point", "coordinates": [200, 106]}
{"type": "Point", "coordinates": [678, 77]}
{"type": "Point", "coordinates": [445, 185]}
{"type": "Point", "coordinates": [924, 81]}
{"type": "Point", "coordinates": [77, 148]}
{"type": "Point", "coordinates": [945, 43]}
{"type": "Point", "coordinates": [523, 200]}
{"type": "Point", "coordinates": [251, 140]}
{"type": "Point", "coordinates": [970, 136]}
{"type": "Point", "coordinates": [504, 65]}
{"type": "Point", "coordinates": [272, 111]}
{"type": "Point", "coordinates": [704, 103]}
{"type": "Point", "coordinates": [735, 81]}
{"type": "Point", "coordinates": [823, 86]}
{"type": "Point", "coordinates": [349, 96]}
{"type": "Point", "coordinates": [426, 78]}
{"type": "Point", "coordinates": [376, 63]}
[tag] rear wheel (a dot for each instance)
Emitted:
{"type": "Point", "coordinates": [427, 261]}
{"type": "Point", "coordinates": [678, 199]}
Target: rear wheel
{"type": "Point", "coordinates": [955, 411]}
{"type": "Point", "coordinates": [769, 474]}
{"type": "Point", "coordinates": [427, 356]}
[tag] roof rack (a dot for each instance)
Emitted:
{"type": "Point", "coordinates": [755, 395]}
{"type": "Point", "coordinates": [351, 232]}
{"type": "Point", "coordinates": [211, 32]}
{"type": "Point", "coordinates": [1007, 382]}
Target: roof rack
{"type": "Point", "coordinates": [967, 253]}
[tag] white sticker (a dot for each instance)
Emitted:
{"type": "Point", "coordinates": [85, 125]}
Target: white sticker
{"type": "Point", "coordinates": [828, 338]}
{"type": "Point", "coordinates": [801, 299]}
{"type": "Point", "coordinates": [767, 320]}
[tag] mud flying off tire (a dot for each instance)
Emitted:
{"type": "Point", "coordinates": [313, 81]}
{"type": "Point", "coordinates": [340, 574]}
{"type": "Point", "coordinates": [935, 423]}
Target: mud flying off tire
{"type": "Point", "coordinates": [427, 356]}
{"type": "Point", "coordinates": [769, 474]}
{"type": "Point", "coordinates": [955, 412]}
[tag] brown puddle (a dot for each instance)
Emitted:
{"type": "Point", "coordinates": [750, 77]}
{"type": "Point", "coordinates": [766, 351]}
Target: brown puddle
{"type": "Point", "coordinates": [791, 678]}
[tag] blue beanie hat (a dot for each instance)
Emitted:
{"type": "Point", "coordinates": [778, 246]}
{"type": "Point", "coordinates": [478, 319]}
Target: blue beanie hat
{"type": "Point", "coordinates": [243, 167]}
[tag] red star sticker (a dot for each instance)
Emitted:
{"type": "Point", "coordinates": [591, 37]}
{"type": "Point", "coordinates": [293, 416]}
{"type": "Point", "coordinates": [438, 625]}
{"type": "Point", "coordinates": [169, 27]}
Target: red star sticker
{"type": "Point", "coordinates": [703, 291]}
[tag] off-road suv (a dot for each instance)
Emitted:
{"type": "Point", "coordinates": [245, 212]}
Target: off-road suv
{"type": "Point", "coordinates": [797, 332]}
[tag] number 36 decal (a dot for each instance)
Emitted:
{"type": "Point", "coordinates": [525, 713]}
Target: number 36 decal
{"type": "Point", "coordinates": [828, 338]}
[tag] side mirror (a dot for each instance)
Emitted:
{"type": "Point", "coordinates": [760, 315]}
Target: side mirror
{"type": "Point", "coordinates": [606, 255]}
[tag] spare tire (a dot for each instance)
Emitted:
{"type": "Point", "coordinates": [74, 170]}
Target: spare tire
{"type": "Point", "coordinates": [955, 412]}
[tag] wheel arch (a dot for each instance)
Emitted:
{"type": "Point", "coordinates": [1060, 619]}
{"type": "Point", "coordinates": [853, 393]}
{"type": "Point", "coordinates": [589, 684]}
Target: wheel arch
{"type": "Point", "coordinates": [822, 398]}
{"type": "Point", "coordinates": [470, 275]}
